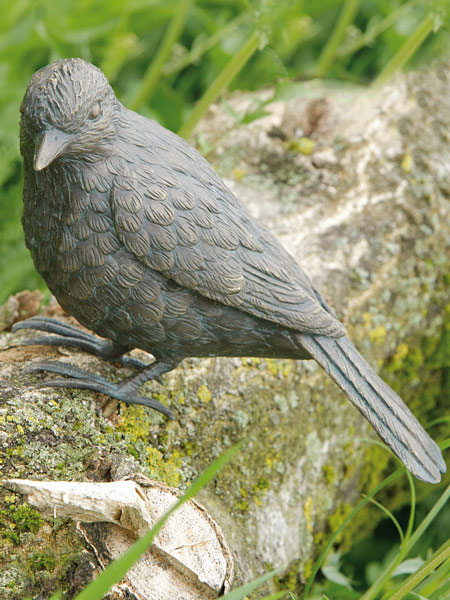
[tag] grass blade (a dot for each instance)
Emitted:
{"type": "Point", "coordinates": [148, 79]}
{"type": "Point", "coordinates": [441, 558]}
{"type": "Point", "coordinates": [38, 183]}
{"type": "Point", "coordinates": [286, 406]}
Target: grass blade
{"type": "Point", "coordinates": [371, 593]}
{"type": "Point", "coordinates": [388, 513]}
{"type": "Point", "coordinates": [328, 53]}
{"type": "Point", "coordinates": [221, 82]}
{"type": "Point", "coordinates": [375, 30]}
{"type": "Point", "coordinates": [437, 559]}
{"type": "Point", "coordinates": [197, 52]}
{"type": "Point", "coordinates": [154, 71]}
{"type": "Point", "coordinates": [429, 518]}
{"type": "Point", "coordinates": [395, 475]}
{"type": "Point", "coordinates": [412, 512]}
{"type": "Point", "coordinates": [442, 576]}
{"type": "Point", "coordinates": [387, 571]}
{"type": "Point", "coordinates": [405, 52]}
{"type": "Point", "coordinates": [116, 570]}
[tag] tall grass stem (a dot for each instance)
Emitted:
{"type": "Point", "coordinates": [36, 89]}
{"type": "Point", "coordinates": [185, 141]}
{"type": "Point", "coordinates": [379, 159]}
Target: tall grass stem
{"type": "Point", "coordinates": [406, 51]}
{"type": "Point", "coordinates": [329, 51]}
{"type": "Point", "coordinates": [438, 558]}
{"type": "Point", "coordinates": [395, 475]}
{"type": "Point", "coordinates": [375, 30]}
{"type": "Point", "coordinates": [154, 71]}
{"type": "Point", "coordinates": [221, 82]}
{"type": "Point", "coordinates": [198, 50]}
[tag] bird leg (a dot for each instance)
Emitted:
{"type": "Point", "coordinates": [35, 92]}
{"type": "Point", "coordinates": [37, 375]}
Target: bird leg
{"type": "Point", "coordinates": [126, 391]}
{"type": "Point", "coordinates": [72, 337]}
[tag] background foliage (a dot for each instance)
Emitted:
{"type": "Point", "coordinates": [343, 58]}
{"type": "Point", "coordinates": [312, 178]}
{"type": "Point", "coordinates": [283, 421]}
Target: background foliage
{"type": "Point", "coordinates": [170, 59]}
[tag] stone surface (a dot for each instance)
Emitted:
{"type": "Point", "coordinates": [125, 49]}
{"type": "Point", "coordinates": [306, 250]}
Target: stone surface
{"type": "Point", "coordinates": [366, 211]}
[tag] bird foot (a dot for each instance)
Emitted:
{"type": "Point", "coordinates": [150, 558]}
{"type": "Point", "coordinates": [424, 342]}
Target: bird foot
{"type": "Point", "coordinates": [76, 378]}
{"type": "Point", "coordinates": [73, 337]}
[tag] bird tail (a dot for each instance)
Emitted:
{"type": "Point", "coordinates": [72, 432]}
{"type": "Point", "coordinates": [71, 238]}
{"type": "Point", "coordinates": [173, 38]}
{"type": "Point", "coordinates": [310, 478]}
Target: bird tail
{"type": "Point", "coordinates": [379, 404]}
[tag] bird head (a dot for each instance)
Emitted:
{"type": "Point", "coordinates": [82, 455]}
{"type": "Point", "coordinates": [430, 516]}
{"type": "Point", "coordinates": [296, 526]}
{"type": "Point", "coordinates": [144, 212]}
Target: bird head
{"type": "Point", "coordinates": [68, 109]}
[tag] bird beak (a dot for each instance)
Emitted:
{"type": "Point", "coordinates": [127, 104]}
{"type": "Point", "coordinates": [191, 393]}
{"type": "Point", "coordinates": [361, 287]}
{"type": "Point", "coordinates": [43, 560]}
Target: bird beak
{"type": "Point", "coordinates": [50, 146]}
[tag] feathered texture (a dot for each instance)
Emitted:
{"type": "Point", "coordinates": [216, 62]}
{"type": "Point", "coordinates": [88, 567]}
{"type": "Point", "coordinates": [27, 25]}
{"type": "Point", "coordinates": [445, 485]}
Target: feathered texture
{"type": "Point", "coordinates": [139, 239]}
{"type": "Point", "coordinates": [379, 404]}
{"type": "Point", "coordinates": [61, 93]}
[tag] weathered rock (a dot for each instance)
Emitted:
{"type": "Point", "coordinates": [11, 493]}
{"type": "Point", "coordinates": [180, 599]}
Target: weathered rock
{"type": "Point", "coordinates": [366, 211]}
{"type": "Point", "coordinates": [19, 307]}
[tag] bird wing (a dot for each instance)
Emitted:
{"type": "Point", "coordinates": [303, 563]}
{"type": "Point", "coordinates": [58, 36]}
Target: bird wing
{"type": "Point", "coordinates": [173, 212]}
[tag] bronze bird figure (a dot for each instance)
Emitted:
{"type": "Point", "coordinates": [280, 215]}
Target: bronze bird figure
{"type": "Point", "coordinates": [139, 239]}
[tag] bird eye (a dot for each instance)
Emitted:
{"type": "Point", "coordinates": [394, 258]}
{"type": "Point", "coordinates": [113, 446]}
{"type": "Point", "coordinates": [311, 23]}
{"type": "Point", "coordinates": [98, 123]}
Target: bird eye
{"type": "Point", "coordinates": [95, 111]}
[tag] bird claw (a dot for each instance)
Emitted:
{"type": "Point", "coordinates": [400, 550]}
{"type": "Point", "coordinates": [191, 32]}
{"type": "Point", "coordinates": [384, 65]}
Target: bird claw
{"type": "Point", "coordinates": [73, 337]}
{"type": "Point", "coordinates": [77, 378]}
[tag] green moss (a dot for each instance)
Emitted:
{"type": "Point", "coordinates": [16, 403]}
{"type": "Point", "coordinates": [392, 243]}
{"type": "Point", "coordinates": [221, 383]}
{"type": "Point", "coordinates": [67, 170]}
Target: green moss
{"type": "Point", "coordinates": [419, 370]}
{"type": "Point", "coordinates": [308, 510]}
{"type": "Point", "coordinates": [290, 580]}
{"type": "Point", "coordinates": [17, 520]}
{"type": "Point", "coordinates": [398, 360]}
{"type": "Point", "coordinates": [134, 423]}
{"type": "Point", "coordinates": [25, 518]}
{"type": "Point", "coordinates": [41, 561]}
{"type": "Point", "coordinates": [336, 519]}
{"type": "Point", "coordinates": [279, 406]}
{"type": "Point", "coordinates": [307, 568]}
{"type": "Point", "coordinates": [33, 555]}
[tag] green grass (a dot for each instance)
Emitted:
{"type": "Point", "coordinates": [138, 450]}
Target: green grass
{"type": "Point", "coordinates": [396, 574]}
{"type": "Point", "coordinates": [171, 59]}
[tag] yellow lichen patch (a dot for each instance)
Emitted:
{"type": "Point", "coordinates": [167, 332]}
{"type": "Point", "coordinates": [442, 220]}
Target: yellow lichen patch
{"type": "Point", "coordinates": [168, 470]}
{"type": "Point", "coordinates": [249, 361]}
{"type": "Point", "coordinates": [238, 174]}
{"type": "Point", "coordinates": [338, 517]}
{"type": "Point", "coordinates": [307, 568]}
{"type": "Point", "coordinates": [181, 399]}
{"type": "Point", "coordinates": [272, 364]}
{"type": "Point", "coordinates": [367, 319]}
{"type": "Point", "coordinates": [309, 514]}
{"type": "Point", "coordinates": [406, 163]}
{"type": "Point", "coordinates": [287, 367]}
{"type": "Point", "coordinates": [401, 353]}
{"type": "Point", "coordinates": [204, 395]}
{"type": "Point", "coordinates": [303, 145]}
{"type": "Point", "coordinates": [134, 421]}
{"type": "Point", "coordinates": [378, 335]}
{"type": "Point", "coordinates": [134, 424]}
